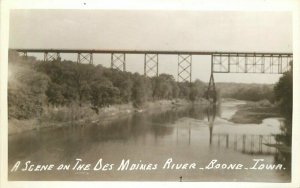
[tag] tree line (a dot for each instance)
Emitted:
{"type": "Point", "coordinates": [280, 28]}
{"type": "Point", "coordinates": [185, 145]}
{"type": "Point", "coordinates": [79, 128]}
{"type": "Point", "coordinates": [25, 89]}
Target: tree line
{"type": "Point", "coordinates": [62, 83]}
{"type": "Point", "coordinates": [35, 84]}
{"type": "Point", "coordinates": [248, 92]}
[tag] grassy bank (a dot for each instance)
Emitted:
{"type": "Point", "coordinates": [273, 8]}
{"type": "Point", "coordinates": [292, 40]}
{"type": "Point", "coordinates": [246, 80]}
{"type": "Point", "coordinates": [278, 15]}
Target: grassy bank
{"type": "Point", "coordinates": [84, 115]}
{"type": "Point", "coordinates": [255, 112]}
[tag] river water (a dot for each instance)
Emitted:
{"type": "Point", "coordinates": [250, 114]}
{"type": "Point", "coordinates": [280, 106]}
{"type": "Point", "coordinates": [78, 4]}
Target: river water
{"type": "Point", "coordinates": [190, 135]}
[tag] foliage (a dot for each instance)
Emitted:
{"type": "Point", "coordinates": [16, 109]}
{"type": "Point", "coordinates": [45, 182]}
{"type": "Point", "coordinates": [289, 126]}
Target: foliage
{"type": "Point", "coordinates": [26, 92]}
{"type": "Point", "coordinates": [141, 90]}
{"type": "Point", "coordinates": [164, 87]}
{"type": "Point", "coordinates": [197, 90]}
{"type": "Point", "coordinates": [249, 92]}
{"type": "Point", "coordinates": [284, 94]}
{"type": "Point", "coordinates": [103, 93]}
{"type": "Point", "coordinates": [284, 97]}
{"type": "Point", "coordinates": [68, 83]}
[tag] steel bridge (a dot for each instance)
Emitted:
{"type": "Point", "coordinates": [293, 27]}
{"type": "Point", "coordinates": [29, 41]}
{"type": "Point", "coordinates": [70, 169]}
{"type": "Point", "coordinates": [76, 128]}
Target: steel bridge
{"type": "Point", "coordinates": [221, 62]}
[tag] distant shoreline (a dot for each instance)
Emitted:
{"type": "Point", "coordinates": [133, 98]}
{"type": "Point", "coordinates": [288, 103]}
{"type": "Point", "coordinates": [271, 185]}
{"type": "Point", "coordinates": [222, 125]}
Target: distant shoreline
{"type": "Point", "coordinates": [254, 112]}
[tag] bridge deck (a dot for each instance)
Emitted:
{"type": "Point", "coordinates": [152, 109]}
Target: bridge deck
{"type": "Point", "coordinates": [110, 51]}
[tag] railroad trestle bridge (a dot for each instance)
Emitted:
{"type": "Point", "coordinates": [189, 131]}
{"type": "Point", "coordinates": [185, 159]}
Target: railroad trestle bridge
{"type": "Point", "coordinates": [221, 62]}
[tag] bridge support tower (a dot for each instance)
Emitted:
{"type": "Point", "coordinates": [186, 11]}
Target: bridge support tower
{"type": "Point", "coordinates": [211, 93]}
{"type": "Point", "coordinates": [151, 65]}
{"type": "Point", "coordinates": [52, 56]}
{"type": "Point", "coordinates": [184, 73]}
{"type": "Point", "coordinates": [118, 61]}
{"type": "Point", "coordinates": [85, 58]}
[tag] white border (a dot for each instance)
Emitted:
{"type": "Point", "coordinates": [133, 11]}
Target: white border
{"type": "Point", "coordinates": [241, 5]}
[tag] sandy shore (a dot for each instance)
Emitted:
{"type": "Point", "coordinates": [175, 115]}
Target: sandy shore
{"type": "Point", "coordinates": [254, 112]}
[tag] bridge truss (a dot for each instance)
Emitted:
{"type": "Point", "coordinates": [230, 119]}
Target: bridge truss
{"type": "Point", "coordinates": [151, 65]}
{"type": "Point", "coordinates": [221, 62]}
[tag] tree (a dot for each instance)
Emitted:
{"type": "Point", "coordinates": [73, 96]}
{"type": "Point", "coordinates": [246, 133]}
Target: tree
{"type": "Point", "coordinates": [123, 81]}
{"type": "Point", "coordinates": [284, 97]}
{"type": "Point", "coordinates": [284, 94]}
{"type": "Point", "coordinates": [140, 90]}
{"type": "Point", "coordinates": [184, 90]}
{"type": "Point", "coordinates": [164, 87]}
{"type": "Point", "coordinates": [26, 92]}
{"type": "Point", "coordinates": [197, 90]}
{"type": "Point", "coordinates": [103, 94]}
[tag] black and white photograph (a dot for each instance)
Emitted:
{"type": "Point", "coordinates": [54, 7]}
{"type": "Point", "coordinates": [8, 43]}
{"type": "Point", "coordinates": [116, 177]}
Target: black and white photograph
{"type": "Point", "coordinates": [132, 95]}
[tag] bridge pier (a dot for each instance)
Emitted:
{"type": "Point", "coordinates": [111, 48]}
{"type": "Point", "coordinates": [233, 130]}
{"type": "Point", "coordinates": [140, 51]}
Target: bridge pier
{"type": "Point", "coordinates": [118, 61]}
{"type": "Point", "coordinates": [211, 90]}
{"type": "Point", "coordinates": [52, 56]}
{"type": "Point", "coordinates": [184, 68]}
{"type": "Point", "coordinates": [151, 64]}
{"type": "Point", "coordinates": [85, 58]}
{"type": "Point", "coordinates": [211, 93]}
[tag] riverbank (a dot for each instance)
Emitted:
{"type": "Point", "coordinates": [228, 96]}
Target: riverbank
{"type": "Point", "coordinates": [84, 115]}
{"type": "Point", "coordinates": [254, 112]}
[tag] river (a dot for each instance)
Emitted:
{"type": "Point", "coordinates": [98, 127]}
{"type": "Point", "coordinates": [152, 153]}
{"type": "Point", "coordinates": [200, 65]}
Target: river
{"type": "Point", "coordinates": [190, 135]}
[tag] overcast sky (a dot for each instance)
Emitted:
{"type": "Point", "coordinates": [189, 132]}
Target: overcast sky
{"type": "Point", "coordinates": [156, 30]}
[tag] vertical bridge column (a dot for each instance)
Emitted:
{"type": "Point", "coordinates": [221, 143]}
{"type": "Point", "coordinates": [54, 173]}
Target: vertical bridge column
{"type": "Point", "coordinates": [151, 65]}
{"type": "Point", "coordinates": [85, 58]}
{"type": "Point", "coordinates": [184, 68]}
{"type": "Point", "coordinates": [118, 61]}
{"type": "Point", "coordinates": [52, 56]}
{"type": "Point", "coordinates": [211, 90]}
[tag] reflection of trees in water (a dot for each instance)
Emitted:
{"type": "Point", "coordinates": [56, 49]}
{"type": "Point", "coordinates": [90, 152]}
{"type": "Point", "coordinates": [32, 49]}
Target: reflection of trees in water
{"type": "Point", "coordinates": [171, 116]}
{"type": "Point", "coordinates": [161, 130]}
{"type": "Point", "coordinates": [59, 144]}
{"type": "Point", "coordinates": [138, 125]}
{"type": "Point", "coordinates": [197, 112]}
{"type": "Point", "coordinates": [67, 142]}
{"type": "Point", "coordinates": [21, 144]}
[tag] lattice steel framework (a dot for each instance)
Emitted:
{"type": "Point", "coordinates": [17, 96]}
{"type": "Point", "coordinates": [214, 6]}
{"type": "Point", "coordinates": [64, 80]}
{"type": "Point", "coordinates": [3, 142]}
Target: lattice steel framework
{"type": "Point", "coordinates": [85, 58]}
{"type": "Point", "coordinates": [211, 93]}
{"type": "Point", "coordinates": [52, 56]}
{"type": "Point", "coordinates": [118, 61]}
{"type": "Point", "coordinates": [221, 62]}
{"type": "Point", "coordinates": [151, 65]}
{"type": "Point", "coordinates": [184, 68]}
{"type": "Point", "coordinates": [251, 63]}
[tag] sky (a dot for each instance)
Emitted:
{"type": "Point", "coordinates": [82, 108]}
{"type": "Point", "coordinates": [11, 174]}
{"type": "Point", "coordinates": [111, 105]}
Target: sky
{"type": "Point", "coordinates": [156, 30]}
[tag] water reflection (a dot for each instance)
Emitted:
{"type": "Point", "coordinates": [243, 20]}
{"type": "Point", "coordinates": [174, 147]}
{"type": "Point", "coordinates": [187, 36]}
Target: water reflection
{"type": "Point", "coordinates": [190, 133]}
{"type": "Point", "coordinates": [246, 143]}
{"type": "Point", "coordinates": [275, 144]}
{"type": "Point", "coordinates": [211, 115]}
